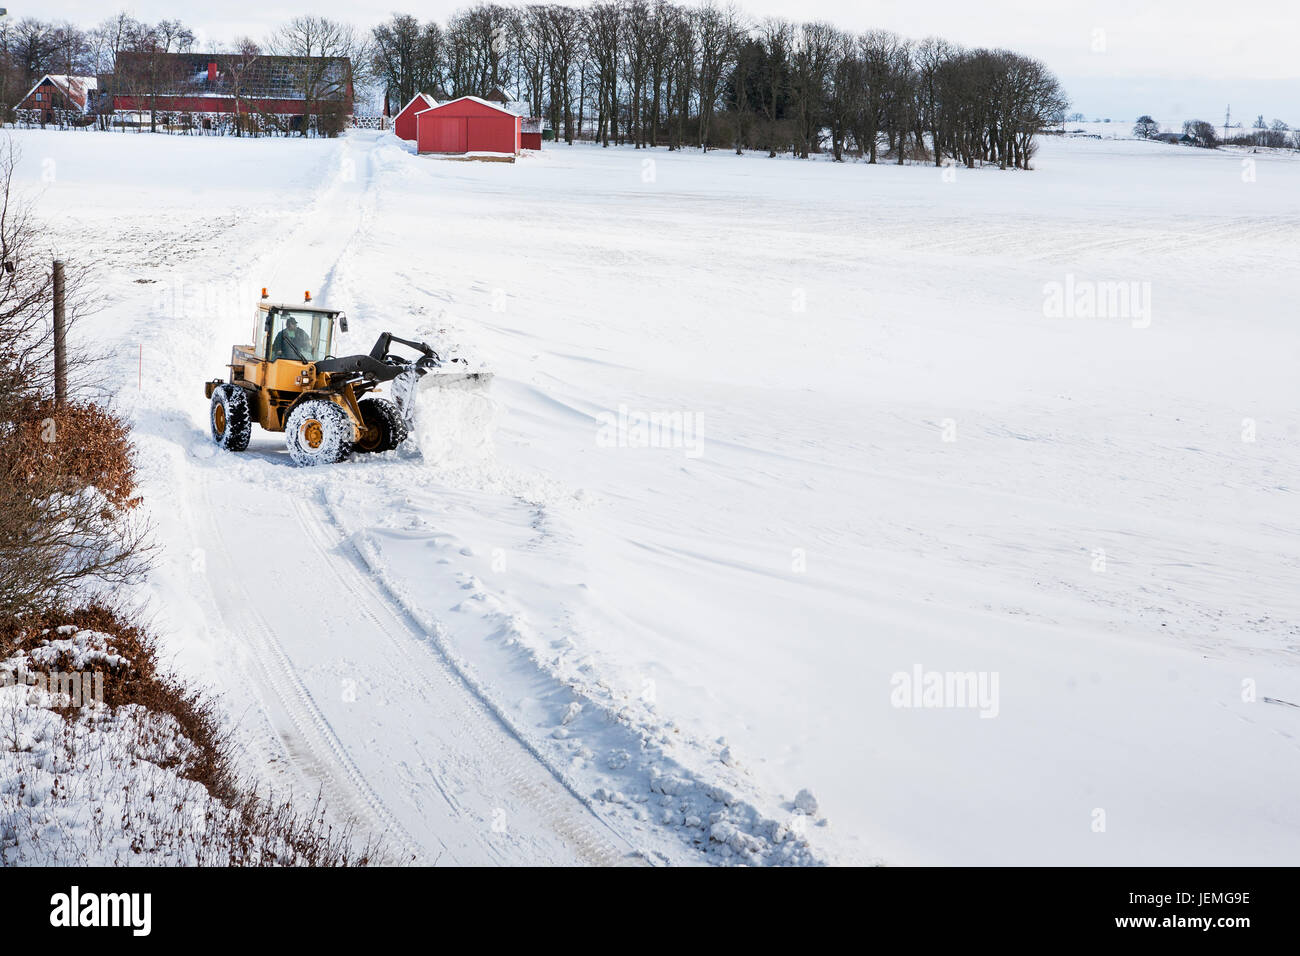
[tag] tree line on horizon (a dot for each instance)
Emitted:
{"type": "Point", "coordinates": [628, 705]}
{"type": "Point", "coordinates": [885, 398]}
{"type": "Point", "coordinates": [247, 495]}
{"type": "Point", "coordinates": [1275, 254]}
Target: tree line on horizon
{"type": "Point", "coordinates": [1275, 135]}
{"type": "Point", "coordinates": [656, 73]}
{"type": "Point", "coordinates": [642, 72]}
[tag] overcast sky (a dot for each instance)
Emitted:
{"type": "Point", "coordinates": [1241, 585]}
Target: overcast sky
{"type": "Point", "coordinates": [1116, 58]}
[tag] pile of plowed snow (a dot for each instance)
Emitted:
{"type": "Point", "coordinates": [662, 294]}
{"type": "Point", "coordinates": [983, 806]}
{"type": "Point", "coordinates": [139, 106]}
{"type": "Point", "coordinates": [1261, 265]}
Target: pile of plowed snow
{"type": "Point", "coordinates": [455, 421]}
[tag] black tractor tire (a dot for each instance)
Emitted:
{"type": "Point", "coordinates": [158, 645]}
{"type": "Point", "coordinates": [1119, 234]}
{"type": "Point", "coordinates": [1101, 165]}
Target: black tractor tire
{"type": "Point", "coordinates": [230, 418]}
{"type": "Point", "coordinates": [384, 419]}
{"type": "Point", "coordinates": [318, 432]}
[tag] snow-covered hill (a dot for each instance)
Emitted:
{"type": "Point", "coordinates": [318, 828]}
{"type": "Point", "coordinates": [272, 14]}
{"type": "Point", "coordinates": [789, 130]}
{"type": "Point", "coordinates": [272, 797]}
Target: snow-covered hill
{"type": "Point", "coordinates": [1035, 428]}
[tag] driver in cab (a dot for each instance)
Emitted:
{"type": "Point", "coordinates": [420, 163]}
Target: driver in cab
{"type": "Point", "coordinates": [291, 343]}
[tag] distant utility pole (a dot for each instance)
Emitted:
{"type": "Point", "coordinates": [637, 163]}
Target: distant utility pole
{"type": "Point", "coordinates": [1227, 117]}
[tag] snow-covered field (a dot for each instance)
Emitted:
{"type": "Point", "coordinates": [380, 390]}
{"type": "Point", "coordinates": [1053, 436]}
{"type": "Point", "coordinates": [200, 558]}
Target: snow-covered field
{"type": "Point", "coordinates": [770, 439]}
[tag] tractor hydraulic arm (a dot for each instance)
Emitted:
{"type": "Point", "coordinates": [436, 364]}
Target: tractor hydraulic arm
{"type": "Point", "coordinates": [384, 344]}
{"type": "Point", "coordinates": [380, 365]}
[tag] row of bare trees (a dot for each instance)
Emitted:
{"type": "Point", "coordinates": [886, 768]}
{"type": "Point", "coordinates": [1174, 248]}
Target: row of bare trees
{"type": "Point", "coordinates": [651, 73]}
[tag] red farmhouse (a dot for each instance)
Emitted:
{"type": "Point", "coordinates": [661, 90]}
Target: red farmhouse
{"type": "Point", "coordinates": [231, 83]}
{"type": "Point", "coordinates": [57, 92]}
{"type": "Point", "coordinates": [404, 122]}
{"type": "Point", "coordinates": [468, 125]}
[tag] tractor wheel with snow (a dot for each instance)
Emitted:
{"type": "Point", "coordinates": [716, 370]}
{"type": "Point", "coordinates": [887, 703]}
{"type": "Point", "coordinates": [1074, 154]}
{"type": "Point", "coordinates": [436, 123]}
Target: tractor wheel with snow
{"type": "Point", "coordinates": [384, 426]}
{"type": "Point", "coordinates": [318, 432]}
{"type": "Point", "coordinates": [231, 421]}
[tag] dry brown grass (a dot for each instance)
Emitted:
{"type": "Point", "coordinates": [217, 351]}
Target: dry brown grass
{"type": "Point", "coordinates": [81, 444]}
{"type": "Point", "coordinates": [67, 497]}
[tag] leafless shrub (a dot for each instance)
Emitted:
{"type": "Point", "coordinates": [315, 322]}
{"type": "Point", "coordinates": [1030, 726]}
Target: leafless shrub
{"type": "Point", "coordinates": [67, 474]}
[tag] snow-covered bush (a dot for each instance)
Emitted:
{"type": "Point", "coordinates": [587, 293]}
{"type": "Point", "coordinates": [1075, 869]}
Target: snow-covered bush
{"type": "Point", "coordinates": [140, 772]}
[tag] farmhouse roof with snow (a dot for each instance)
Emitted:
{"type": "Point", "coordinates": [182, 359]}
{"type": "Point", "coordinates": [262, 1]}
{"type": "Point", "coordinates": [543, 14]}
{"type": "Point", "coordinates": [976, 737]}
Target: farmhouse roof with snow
{"type": "Point", "coordinates": [65, 92]}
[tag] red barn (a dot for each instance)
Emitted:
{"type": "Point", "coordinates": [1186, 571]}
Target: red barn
{"type": "Point", "coordinates": [468, 125]}
{"type": "Point", "coordinates": [404, 122]}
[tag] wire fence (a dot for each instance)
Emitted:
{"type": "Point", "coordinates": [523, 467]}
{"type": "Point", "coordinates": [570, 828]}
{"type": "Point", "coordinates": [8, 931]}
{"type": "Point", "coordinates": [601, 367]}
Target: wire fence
{"type": "Point", "coordinates": [213, 123]}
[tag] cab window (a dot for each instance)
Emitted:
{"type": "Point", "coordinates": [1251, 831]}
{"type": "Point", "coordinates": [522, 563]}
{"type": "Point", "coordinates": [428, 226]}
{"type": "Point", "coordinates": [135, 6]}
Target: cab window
{"type": "Point", "coordinates": [299, 336]}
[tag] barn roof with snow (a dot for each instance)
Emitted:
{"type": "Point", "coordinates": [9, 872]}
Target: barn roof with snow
{"type": "Point", "coordinates": [508, 102]}
{"type": "Point", "coordinates": [482, 102]}
{"type": "Point", "coordinates": [416, 101]}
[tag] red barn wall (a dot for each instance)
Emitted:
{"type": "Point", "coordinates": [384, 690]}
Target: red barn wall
{"type": "Point", "coordinates": [466, 126]}
{"type": "Point", "coordinates": [405, 125]}
{"type": "Point", "coordinates": [488, 134]}
{"type": "Point", "coordinates": [443, 134]}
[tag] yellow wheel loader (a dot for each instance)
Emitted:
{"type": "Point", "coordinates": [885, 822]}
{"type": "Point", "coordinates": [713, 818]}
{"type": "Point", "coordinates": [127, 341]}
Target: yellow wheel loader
{"type": "Point", "coordinates": [290, 381]}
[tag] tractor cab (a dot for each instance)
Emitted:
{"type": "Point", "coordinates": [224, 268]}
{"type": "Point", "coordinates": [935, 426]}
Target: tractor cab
{"type": "Point", "coordinates": [296, 333]}
{"type": "Point", "coordinates": [287, 344]}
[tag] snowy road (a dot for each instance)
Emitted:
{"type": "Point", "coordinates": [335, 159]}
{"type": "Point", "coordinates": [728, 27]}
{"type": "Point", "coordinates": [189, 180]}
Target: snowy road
{"type": "Point", "coordinates": [345, 693]}
{"type": "Point", "coordinates": [459, 787]}
{"type": "Point", "coordinates": [429, 767]}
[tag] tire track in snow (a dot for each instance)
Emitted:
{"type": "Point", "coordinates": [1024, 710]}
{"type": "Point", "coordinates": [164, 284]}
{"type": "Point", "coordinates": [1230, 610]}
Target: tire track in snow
{"type": "Point", "coordinates": [494, 740]}
{"type": "Point", "coordinates": [325, 753]}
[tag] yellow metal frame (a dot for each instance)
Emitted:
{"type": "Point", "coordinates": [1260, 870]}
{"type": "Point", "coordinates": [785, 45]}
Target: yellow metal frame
{"type": "Point", "coordinates": [275, 386]}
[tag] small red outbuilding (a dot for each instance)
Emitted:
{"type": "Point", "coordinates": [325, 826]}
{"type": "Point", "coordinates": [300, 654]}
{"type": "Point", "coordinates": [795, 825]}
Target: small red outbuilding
{"type": "Point", "coordinates": [404, 122]}
{"type": "Point", "coordinates": [531, 135]}
{"type": "Point", "coordinates": [468, 125]}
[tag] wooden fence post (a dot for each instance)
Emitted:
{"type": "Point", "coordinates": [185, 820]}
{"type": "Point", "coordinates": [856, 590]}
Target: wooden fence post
{"type": "Point", "coordinates": [60, 341]}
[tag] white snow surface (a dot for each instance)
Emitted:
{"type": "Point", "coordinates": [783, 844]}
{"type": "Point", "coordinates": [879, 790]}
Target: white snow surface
{"type": "Point", "coordinates": [526, 637]}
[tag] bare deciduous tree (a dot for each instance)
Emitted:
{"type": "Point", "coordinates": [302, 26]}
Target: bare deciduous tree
{"type": "Point", "coordinates": [405, 57]}
{"type": "Point", "coordinates": [1145, 127]}
{"type": "Point", "coordinates": [326, 57]}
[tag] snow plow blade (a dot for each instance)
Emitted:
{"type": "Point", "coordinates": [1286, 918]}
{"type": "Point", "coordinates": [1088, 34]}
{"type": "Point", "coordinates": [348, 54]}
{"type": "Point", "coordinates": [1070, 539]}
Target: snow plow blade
{"type": "Point", "coordinates": [425, 379]}
{"type": "Point", "coordinates": [443, 378]}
